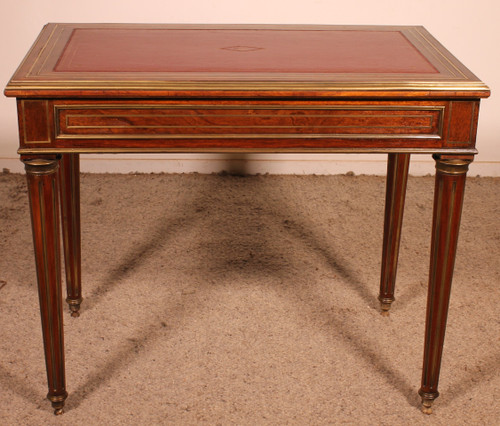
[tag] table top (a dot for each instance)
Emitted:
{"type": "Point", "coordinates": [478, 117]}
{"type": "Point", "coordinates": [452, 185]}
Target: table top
{"type": "Point", "coordinates": [124, 60]}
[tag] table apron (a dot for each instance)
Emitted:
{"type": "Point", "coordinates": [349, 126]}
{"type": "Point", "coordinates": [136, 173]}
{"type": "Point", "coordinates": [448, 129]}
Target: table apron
{"type": "Point", "coordinates": [227, 125]}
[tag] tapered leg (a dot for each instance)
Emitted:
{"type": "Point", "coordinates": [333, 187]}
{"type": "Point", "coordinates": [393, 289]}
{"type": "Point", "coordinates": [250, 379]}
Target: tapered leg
{"type": "Point", "coordinates": [397, 177]}
{"type": "Point", "coordinates": [70, 212]}
{"type": "Point", "coordinates": [448, 198]}
{"type": "Point", "coordinates": [43, 195]}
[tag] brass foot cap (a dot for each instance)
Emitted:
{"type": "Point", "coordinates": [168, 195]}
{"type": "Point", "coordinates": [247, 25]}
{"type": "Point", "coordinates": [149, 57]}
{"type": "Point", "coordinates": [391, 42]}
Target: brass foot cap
{"type": "Point", "coordinates": [74, 306]}
{"type": "Point", "coordinates": [58, 402]}
{"type": "Point", "coordinates": [385, 305]}
{"type": "Point", "coordinates": [426, 410]}
{"type": "Point", "coordinates": [427, 407]}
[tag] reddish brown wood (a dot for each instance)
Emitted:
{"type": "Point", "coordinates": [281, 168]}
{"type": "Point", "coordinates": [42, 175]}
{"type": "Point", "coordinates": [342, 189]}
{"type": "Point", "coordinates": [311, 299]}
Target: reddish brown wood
{"type": "Point", "coordinates": [462, 123]}
{"type": "Point", "coordinates": [239, 119]}
{"type": "Point", "coordinates": [37, 128]}
{"type": "Point", "coordinates": [252, 125]}
{"type": "Point", "coordinates": [70, 214]}
{"type": "Point", "coordinates": [448, 200]}
{"type": "Point", "coordinates": [43, 191]}
{"type": "Point", "coordinates": [205, 88]}
{"type": "Point", "coordinates": [397, 177]}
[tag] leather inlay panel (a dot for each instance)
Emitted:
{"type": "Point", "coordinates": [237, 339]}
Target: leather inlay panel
{"type": "Point", "coordinates": [241, 50]}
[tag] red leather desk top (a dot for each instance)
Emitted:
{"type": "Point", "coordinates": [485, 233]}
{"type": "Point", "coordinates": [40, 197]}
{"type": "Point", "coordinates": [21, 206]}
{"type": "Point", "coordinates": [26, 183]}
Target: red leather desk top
{"type": "Point", "coordinates": [245, 50]}
{"type": "Point", "coordinates": [123, 60]}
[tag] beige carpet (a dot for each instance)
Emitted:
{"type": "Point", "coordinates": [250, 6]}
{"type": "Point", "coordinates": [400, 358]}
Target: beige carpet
{"type": "Point", "coordinates": [225, 300]}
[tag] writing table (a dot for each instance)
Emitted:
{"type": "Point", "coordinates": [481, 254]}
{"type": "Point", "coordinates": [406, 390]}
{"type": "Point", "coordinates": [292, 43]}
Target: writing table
{"type": "Point", "coordinates": [113, 88]}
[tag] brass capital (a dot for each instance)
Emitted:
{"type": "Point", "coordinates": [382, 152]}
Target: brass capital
{"type": "Point", "coordinates": [41, 166]}
{"type": "Point", "coordinates": [452, 166]}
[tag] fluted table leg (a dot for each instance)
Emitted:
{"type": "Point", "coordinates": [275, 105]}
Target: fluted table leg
{"type": "Point", "coordinates": [397, 178]}
{"type": "Point", "coordinates": [448, 198]}
{"type": "Point", "coordinates": [44, 205]}
{"type": "Point", "coordinates": [70, 214]}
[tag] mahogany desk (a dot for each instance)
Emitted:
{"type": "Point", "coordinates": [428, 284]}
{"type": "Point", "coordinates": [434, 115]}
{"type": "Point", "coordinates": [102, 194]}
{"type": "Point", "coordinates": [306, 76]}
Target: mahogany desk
{"type": "Point", "coordinates": [172, 88]}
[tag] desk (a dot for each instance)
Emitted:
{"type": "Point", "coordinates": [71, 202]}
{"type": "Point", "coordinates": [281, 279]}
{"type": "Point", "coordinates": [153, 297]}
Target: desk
{"type": "Point", "coordinates": [93, 88]}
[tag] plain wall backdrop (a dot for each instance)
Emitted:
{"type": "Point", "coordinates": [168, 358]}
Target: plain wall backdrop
{"type": "Point", "coordinates": [469, 29]}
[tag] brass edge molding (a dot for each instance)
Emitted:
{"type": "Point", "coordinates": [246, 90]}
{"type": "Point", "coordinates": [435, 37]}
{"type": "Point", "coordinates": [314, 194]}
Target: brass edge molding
{"type": "Point", "coordinates": [42, 51]}
{"type": "Point", "coordinates": [247, 86]}
{"type": "Point", "coordinates": [298, 105]}
{"type": "Point", "coordinates": [439, 55]}
{"type": "Point", "coordinates": [58, 108]}
{"type": "Point", "coordinates": [456, 151]}
{"type": "Point", "coordinates": [145, 136]}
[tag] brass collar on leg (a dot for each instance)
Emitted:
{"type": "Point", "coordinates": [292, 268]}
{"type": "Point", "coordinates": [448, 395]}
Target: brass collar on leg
{"type": "Point", "coordinates": [456, 166]}
{"type": "Point", "coordinates": [41, 166]}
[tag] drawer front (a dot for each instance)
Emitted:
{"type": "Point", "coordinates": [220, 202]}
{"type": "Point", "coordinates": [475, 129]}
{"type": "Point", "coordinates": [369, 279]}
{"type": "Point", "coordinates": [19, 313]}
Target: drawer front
{"type": "Point", "coordinates": [247, 121]}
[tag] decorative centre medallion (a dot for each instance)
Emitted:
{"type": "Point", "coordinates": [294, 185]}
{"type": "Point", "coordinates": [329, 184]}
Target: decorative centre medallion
{"type": "Point", "coordinates": [242, 48]}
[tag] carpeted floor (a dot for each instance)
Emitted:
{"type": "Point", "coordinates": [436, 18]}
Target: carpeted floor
{"type": "Point", "coordinates": [217, 299]}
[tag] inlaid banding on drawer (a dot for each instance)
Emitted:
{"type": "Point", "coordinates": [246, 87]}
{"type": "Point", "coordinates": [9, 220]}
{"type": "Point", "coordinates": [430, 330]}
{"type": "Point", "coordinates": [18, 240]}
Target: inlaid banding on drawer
{"type": "Point", "coordinates": [201, 121]}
